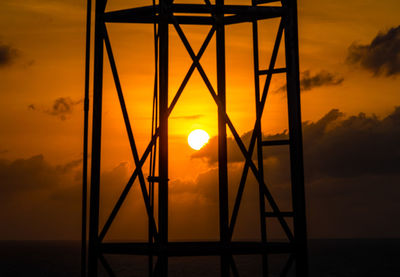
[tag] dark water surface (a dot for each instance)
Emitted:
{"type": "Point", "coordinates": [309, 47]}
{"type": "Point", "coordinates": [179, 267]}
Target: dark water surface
{"type": "Point", "coordinates": [327, 258]}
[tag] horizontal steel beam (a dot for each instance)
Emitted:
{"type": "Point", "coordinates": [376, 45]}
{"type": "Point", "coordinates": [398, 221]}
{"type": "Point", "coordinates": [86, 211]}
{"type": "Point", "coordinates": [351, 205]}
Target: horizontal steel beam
{"type": "Point", "coordinates": [274, 214]}
{"type": "Point", "coordinates": [233, 14]}
{"type": "Point", "coordinates": [241, 18]}
{"type": "Point", "coordinates": [273, 71]}
{"type": "Point", "coordinates": [186, 20]}
{"type": "Point", "coordinates": [275, 142]}
{"type": "Point", "coordinates": [197, 248]}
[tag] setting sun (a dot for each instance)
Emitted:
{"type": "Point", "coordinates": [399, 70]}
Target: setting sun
{"type": "Point", "coordinates": [197, 139]}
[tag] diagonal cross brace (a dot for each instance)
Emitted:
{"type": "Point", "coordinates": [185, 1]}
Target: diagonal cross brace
{"type": "Point", "coordinates": [254, 134]}
{"type": "Point", "coordinates": [250, 163]}
{"type": "Point", "coordinates": [106, 266]}
{"type": "Point", "coordinates": [135, 174]}
{"type": "Point", "coordinates": [193, 66]}
{"type": "Point", "coordinates": [127, 189]}
{"type": "Point", "coordinates": [129, 132]}
{"type": "Point", "coordinates": [191, 70]}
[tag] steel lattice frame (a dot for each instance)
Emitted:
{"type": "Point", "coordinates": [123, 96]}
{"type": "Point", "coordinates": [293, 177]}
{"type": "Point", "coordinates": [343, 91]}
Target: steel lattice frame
{"type": "Point", "coordinates": [217, 16]}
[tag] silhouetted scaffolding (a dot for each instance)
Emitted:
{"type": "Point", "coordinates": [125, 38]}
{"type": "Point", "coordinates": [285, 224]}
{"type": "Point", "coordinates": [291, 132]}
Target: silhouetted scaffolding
{"type": "Point", "coordinates": [216, 14]}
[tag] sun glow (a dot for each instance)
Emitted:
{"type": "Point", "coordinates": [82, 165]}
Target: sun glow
{"type": "Point", "coordinates": [198, 138]}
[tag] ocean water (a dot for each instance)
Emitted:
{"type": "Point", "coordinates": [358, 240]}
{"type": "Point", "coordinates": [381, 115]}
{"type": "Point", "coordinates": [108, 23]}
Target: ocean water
{"type": "Point", "coordinates": [327, 258]}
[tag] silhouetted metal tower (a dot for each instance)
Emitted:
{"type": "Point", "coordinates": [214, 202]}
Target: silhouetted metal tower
{"type": "Point", "coordinates": [217, 15]}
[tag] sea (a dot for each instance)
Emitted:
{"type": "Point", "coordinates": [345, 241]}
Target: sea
{"type": "Point", "coordinates": [344, 257]}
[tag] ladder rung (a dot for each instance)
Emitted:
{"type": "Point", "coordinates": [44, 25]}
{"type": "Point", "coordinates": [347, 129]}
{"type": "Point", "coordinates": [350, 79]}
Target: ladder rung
{"type": "Point", "coordinates": [273, 71]}
{"type": "Point", "coordinates": [273, 214]}
{"type": "Point", "coordinates": [275, 142]}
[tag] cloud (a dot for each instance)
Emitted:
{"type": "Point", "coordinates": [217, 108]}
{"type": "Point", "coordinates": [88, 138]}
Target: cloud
{"type": "Point", "coordinates": [62, 107]}
{"type": "Point", "coordinates": [351, 173]}
{"type": "Point", "coordinates": [194, 206]}
{"type": "Point", "coordinates": [8, 54]}
{"type": "Point", "coordinates": [28, 199]}
{"type": "Point", "coordinates": [335, 145]}
{"type": "Point", "coordinates": [209, 152]}
{"type": "Point", "coordinates": [69, 166]}
{"type": "Point", "coordinates": [353, 146]}
{"type": "Point", "coordinates": [381, 56]}
{"type": "Point", "coordinates": [322, 78]}
{"type": "Point", "coordinates": [40, 200]}
{"type": "Point", "coordinates": [31, 174]}
{"type": "Point", "coordinates": [190, 117]}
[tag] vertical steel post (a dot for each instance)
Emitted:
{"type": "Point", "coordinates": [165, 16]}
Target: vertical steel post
{"type": "Point", "coordinates": [263, 227]}
{"type": "Point", "coordinates": [96, 140]}
{"type": "Point", "coordinates": [296, 140]}
{"type": "Point", "coordinates": [222, 141]}
{"type": "Point", "coordinates": [163, 143]}
{"type": "Point", "coordinates": [85, 139]}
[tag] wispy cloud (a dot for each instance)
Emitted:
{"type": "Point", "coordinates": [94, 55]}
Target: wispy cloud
{"type": "Point", "coordinates": [189, 117]}
{"type": "Point", "coordinates": [381, 56]}
{"type": "Point", "coordinates": [322, 78]}
{"type": "Point", "coordinates": [61, 108]}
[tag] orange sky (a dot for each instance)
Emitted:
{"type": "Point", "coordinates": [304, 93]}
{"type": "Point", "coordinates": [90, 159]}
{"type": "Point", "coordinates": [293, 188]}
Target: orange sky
{"type": "Point", "coordinates": [46, 42]}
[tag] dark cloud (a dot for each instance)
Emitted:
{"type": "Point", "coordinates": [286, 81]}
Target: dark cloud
{"type": "Point", "coordinates": [322, 78]}
{"type": "Point", "coordinates": [351, 171]}
{"type": "Point", "coordinates": [42, 201]}
{"type": "Point", "coordinates": [39, 200]}
{"type": "Point", "coordinates": [352, 182]}
{"type": "Point", "coordinates": [62, 107]}
{"type": "Point", "coordinates": [209, 152]}
{"type": "Point", "coordinates": [190, 117]}
{"type": "Point", "coordinates": [354, 146]}
{"type": "Point", "coordinates": [381, 56]}
{"type": "Point", "coordinates": [335, 145]}
{"type": "Point", "coordinates": [194, 206]}
{"type": "Point", "coordinates": [31, 174]}
{"type": "Point", "coordinates": [69, 166]}
{"type": "Point", "coordinates": [8, 54]}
